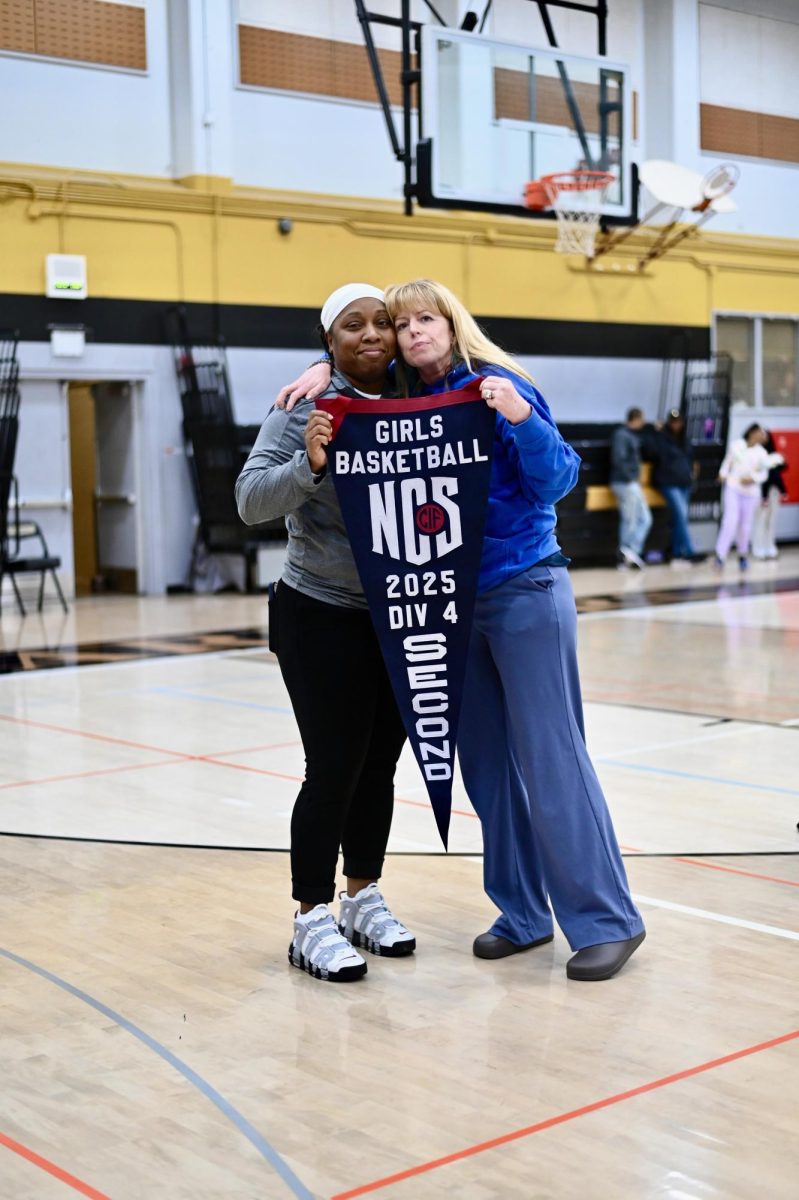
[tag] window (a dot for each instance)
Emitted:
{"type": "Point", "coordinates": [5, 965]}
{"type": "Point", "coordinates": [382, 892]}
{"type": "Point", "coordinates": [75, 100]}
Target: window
{"type": "Point", "coordinates": [106, 32]}
{"type": "Point", "coordinates": [779, 363]}
{"type": "Point", "coordinates": [765, 359]}
{"type": "Point", "coordinates": [734, 337]}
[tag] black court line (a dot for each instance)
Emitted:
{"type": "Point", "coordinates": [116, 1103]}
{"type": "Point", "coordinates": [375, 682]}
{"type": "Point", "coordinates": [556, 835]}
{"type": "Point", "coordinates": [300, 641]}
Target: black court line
{"type": "Point", "coordinates": [688, 594]}
{"type": "Point", "coordinates": [256, 637]}
{"type": "Point", "coordinates": [127, 650]}
{"type": "Point", "coordinates": [92, 841]}
{"type": "Point", "coordinates": [713, 718]}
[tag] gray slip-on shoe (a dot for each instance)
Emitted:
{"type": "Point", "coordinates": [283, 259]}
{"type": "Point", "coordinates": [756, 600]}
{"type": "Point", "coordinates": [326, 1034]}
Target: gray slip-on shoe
{"type": "Point", "coordinates": [491, 945]}
{"type": "Point", "coordinates": [604, 960]}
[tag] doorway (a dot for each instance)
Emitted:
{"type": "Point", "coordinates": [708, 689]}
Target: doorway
{"type": "Point", "coordinates": [103, 474]}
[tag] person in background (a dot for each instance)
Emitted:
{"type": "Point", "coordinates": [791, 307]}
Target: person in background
{"type": "Point", "coordinates": [764, 543]}
{"type": "Point", "coordinates": [673, 477]}
{"type": "Point", "coordinates": [743, 472]}
{"type": "Point", "coordinates": [635, 517]}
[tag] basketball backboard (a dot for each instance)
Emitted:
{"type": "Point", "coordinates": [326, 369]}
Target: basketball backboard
{"type": "Point", "coordinates": [497, 114]}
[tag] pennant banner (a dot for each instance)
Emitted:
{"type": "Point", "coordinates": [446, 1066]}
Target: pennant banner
{"type": "Point", "coordinates": [412, 479]}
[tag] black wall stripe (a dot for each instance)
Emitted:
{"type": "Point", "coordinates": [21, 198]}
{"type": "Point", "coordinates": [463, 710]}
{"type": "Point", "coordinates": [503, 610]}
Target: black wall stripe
{"type": "Point", "coordinates": [142, 322]}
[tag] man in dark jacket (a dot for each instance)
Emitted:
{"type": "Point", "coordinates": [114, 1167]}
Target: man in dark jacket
{"type": "Point", "coordinates": [673, 476]}
{"type": "Point", "coordinates": [635, 517]}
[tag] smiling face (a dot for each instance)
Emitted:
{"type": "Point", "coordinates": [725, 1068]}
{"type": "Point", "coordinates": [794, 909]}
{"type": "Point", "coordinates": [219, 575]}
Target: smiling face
{"type": "Point", "coordinates": [425, 340]}
{"type": "Point", "coordinates": [363, 343]}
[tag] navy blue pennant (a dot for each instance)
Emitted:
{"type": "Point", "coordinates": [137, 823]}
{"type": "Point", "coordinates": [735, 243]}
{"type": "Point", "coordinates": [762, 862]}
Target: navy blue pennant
{"type": "Point", "coordinates": [412, 479]}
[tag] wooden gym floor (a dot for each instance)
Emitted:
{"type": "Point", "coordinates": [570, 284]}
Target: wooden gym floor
{"type": "Point", "coordinates": [155, 1043]}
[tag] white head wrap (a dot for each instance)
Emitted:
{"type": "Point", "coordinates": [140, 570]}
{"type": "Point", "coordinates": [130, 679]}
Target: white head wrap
{"type": "Point", "coordinates": [343, 297]}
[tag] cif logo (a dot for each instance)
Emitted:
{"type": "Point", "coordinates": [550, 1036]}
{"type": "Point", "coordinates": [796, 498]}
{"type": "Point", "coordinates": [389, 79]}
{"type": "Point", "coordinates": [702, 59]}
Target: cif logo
{"type": "Point", "coordinates": [409, 519]}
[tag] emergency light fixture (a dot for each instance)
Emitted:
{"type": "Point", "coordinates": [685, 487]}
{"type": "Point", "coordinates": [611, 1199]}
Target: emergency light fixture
{"type": "Point", "coordinates": [65, 276]}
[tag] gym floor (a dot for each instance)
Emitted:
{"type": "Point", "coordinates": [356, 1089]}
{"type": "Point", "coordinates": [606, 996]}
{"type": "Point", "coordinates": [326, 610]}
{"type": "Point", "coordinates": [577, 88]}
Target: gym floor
{"type": "Point", "coordinates": [155, 1041]}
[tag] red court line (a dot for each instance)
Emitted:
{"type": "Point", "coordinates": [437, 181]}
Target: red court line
{"type": "Point", "coordinates": [163, 762]}
{"type": "Point", "coordinates": [480, 1147]}
{"type": "Point", "coordinates": [77, 1185]}
{"type": "Point", "coordinates": [207, 758]}
{"type": "Point", "coordinates": [96, 737]}
{"type": "Point", "coordinates": [214, 759]}
{"type": "Point", "coordinates": [255, 749]}
{"type": "Point", "coordinates": [457, 812]}
{"type": "Point", "coordinates": [695, 862]}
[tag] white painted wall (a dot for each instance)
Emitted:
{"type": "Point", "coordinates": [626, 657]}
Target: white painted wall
{"type": "Point", "coordinates": [294, 143]}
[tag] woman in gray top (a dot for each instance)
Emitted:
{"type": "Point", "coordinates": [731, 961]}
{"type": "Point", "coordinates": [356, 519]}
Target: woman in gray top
{"type": "Point", "coordinates": [330, 659]}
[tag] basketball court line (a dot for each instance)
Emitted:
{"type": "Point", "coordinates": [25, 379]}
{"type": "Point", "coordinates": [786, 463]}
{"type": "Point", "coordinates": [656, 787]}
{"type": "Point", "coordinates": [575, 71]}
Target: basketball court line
{"type": "Point", "coordinates": [632, 702]}
{"type": "Point", "coordinates": [135, 651]}
{"type": "Point", "coordinates": [693, 862]}
{"type": "Point", "coordinates": [706, 915]}
{"type": "Point", "coordinates": [95, 737]}
{"type": "Point", "coordinates": [51, 1168]}
{"type": "Point", "coordinates": [257, 1140]}
{"type": "Point", "coordinates": [17, 783]}
{"type": "Point", "coordinates": [754, 787]}
{"type": "Point", "coordinates": [182, 694]}
{"type": "Point", "coordinates": [471, 855]}
{"type": "Point", "coordinates": [693, 741]}
{"type": "Point", "coordinates": [528, 1131]}
{"type": "Point", "coordinates": [609, 760]}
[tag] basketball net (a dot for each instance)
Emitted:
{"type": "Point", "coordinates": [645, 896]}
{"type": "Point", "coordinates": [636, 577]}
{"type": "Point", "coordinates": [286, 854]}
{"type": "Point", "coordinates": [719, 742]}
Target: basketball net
{"type": "Point", "coordinates": [576, 197]}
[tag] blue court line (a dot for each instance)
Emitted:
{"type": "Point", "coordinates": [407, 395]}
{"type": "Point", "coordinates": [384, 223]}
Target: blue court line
{"type": "Point", "coordinates": [225, 1107]}
{"type": "Point", "coordinates": [752, 787]}
{"type": "Point", "coordinates": [185, 695]}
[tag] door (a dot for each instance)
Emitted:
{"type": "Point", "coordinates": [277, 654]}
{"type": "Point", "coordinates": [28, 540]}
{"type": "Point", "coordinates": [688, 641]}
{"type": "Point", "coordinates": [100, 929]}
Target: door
{"type": "Point", "coordinates": [116, 486]}
{"type": "Point", "coordinates": [83, 472]}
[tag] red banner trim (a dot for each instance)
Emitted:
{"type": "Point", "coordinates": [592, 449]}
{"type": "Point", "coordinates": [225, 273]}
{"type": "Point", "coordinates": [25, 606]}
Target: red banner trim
{"type": "Point", "coordinates": [339, 406]}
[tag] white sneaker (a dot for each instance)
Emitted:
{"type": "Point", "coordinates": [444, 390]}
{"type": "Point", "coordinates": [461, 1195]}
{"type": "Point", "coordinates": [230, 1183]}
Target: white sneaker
{"type": "Point", "coordinates": [366, 920]}
{"type": "Point", "coordinates": [632, 558]}
{"type": "Point", "coordinates": [319, 948]}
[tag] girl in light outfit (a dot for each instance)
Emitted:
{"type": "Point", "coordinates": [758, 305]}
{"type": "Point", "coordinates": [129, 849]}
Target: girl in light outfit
{"type": "Point", "coordinates": [745, 468]}
{"type": "Point", "coordinates": [764, 539]}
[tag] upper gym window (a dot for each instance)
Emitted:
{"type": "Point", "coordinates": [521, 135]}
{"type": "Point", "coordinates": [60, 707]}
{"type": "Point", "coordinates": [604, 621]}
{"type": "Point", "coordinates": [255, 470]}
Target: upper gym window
{"type": "Point", "coordinates": [104, 32]}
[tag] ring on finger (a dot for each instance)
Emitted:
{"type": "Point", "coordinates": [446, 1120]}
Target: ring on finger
{"type": "Point", "coordinates": [488, 394]}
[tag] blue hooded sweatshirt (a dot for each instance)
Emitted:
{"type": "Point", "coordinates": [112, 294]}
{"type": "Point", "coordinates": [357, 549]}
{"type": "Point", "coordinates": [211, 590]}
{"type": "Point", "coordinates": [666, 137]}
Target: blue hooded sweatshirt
{"type": "Point", "coordinates": [533, 468]}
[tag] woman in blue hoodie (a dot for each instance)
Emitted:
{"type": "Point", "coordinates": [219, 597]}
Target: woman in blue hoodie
{"type": "Point", "coordinates": [547, 833]}
{"type": "Point", "coordinates": [521, 743]}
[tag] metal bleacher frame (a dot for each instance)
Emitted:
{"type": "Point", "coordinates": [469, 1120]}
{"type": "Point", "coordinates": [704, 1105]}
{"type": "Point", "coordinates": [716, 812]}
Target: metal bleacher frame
{"type": "Point", "coordinates": [216, 449]}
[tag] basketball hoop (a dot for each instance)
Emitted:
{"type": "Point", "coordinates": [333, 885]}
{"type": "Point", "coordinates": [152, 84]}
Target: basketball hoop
{"type": "Point", "coordinates": [576, 198]}
{"type": "Point", "coordinates": [717, 184]}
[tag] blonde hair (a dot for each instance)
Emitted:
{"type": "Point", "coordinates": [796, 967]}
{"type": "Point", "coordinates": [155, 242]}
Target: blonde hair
{"type": "Point", "coordinates": [471, 343]}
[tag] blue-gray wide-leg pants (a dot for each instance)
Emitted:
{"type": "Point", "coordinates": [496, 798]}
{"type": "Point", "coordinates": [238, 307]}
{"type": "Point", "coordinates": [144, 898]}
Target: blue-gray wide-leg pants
{"type": "Point", "coordinates": [521, 745]}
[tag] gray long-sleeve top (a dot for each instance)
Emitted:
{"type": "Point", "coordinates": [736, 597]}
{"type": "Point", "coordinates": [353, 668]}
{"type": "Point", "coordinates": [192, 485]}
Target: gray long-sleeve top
{"type": "Point", "coordinates": [277, 481]}
{"type": "Point", "coordinates": [625, 455]}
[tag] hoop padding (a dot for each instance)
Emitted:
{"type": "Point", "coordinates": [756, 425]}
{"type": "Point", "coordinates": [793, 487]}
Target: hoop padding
{"type": "Point", "coordinates": [576, 198]}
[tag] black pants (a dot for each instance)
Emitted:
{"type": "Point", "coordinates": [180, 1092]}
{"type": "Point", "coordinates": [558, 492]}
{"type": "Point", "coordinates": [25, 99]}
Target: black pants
{"type": "Point", "coordinates": [352, 735]}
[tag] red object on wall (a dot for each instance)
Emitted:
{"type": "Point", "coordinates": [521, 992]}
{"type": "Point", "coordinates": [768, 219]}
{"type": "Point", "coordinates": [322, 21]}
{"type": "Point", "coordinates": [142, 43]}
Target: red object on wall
{"type": "Point", "coordinates": [787, 444]}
